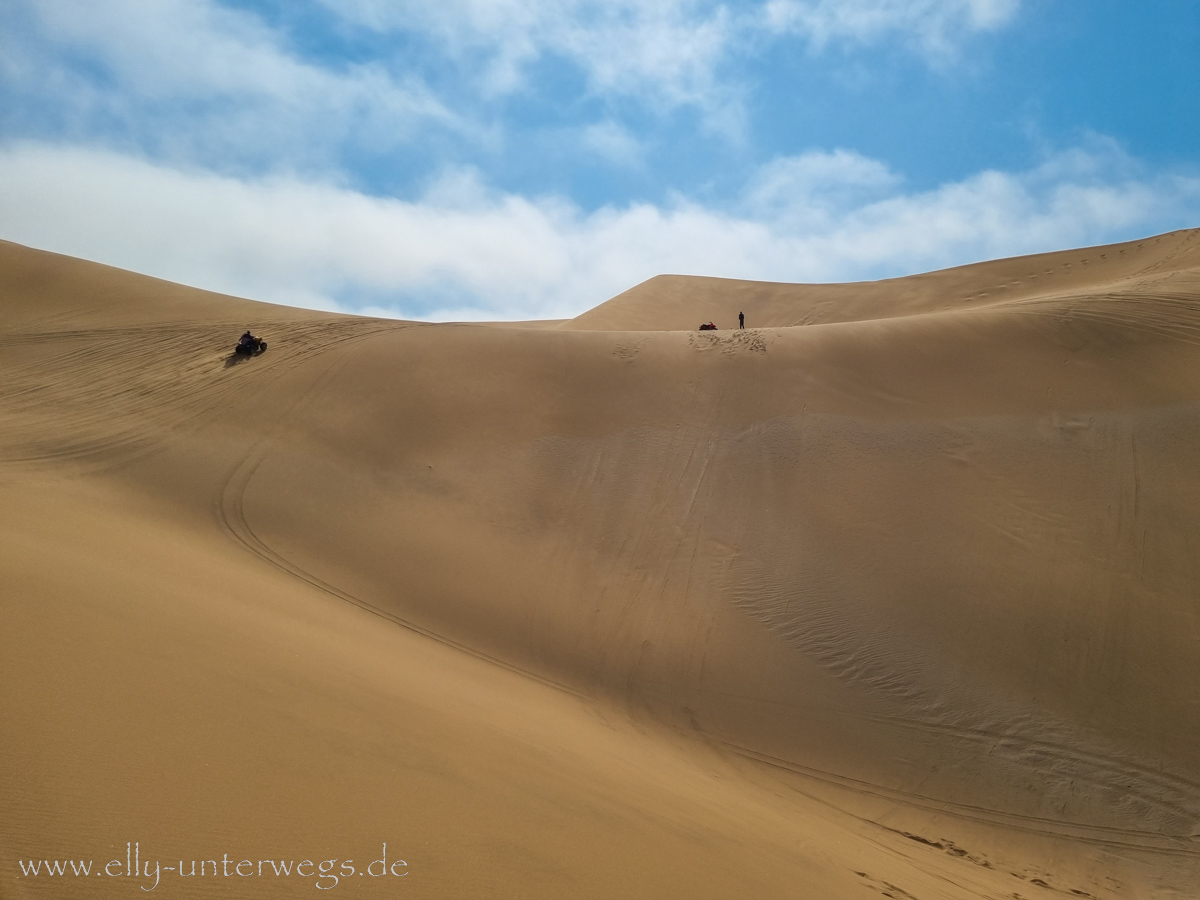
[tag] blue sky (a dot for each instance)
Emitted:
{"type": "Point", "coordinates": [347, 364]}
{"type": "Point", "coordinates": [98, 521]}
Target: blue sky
{"type": "Point", "coordinates": [518, 159]}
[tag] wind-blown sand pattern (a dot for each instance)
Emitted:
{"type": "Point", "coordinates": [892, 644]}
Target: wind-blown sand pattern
{"type": "Point", "coordinates": [895, 593]}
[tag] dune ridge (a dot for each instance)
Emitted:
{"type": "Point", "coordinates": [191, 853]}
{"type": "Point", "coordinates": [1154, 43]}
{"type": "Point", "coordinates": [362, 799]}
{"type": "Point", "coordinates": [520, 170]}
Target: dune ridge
{"type": "Point", "coordinates": [890, 594]}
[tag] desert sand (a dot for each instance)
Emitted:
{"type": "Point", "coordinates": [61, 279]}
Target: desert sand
{"type": "Point", "coordinates": [895, 593]}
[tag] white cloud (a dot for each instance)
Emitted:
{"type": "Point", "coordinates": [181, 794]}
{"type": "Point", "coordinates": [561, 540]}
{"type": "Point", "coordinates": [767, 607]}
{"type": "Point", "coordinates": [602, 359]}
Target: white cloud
{"type": "Point", "coordinates": [938, 26]}
{"type": "Point", "coordinates": [668, 53]}
{"type": "Point", "coordinates": [665, 52]}
{"type": "Point", "coordinates": [193, 79]}
{"type": "Point", "coordinates": [199, 81]}
{"type": "Point", "coordinates": [806, 190]}
{"type": "Point", "coordinates": [488, 254]}
{"type": "Point", "coordinates": [613, 142]}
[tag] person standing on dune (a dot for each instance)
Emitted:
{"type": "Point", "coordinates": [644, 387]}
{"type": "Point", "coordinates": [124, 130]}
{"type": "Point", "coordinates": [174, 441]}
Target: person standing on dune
{"type": "Point", "coordinates": [741, 320]}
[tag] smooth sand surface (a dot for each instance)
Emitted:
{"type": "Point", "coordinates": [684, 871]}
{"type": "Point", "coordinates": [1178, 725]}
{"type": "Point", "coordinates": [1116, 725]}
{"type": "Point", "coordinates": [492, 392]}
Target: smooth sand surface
{"type": "Point", "coordinates": [895, 593]}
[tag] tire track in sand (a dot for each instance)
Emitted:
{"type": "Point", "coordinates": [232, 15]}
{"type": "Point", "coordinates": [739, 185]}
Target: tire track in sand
{"type": "Point", "coordinates": [1098, 835]}
{"type": "Point", "coordinates": [98, 398]}
{"type": "Point", "coordinates": [231, 514]}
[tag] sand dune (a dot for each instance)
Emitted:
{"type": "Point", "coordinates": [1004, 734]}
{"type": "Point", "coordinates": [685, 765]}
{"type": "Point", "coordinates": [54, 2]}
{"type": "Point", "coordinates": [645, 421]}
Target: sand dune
{"type": "Point", "coordinates": [891, 594]}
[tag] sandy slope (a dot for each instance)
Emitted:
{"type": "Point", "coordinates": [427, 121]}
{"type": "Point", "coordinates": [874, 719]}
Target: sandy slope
{"type": "Point", "coordinates": [893, 594]}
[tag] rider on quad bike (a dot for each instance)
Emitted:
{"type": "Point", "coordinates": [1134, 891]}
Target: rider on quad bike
{"type": "Point", "coordinates": [249, 345]}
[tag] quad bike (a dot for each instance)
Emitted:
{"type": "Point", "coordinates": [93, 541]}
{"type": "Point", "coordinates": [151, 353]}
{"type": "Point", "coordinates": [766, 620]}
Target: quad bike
{"type": "Point", "coordinates": [253, 348]}
{"type": "Point", "coordinates": [708, 326]}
